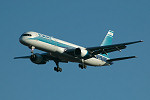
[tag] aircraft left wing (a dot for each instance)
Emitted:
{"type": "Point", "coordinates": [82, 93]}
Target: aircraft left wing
{"type": "Point", "coordinates": [22, 57]}
{"type": "Point", "coordinates": [44, 56]}
{"type": "Point", "coordinates": [109, 48]}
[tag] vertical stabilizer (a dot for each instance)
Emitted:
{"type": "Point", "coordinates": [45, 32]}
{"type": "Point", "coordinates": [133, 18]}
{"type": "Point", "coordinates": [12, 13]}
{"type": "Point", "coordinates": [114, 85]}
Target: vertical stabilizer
{"type": "Point", "coordinates": [108, 40]}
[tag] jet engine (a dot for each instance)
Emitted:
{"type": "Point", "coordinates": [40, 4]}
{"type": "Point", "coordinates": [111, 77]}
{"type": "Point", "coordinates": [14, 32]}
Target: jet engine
{"type": "Point", "coordinates": [37, 59]}
{"type": "Point", "coordinates": [82, 53]}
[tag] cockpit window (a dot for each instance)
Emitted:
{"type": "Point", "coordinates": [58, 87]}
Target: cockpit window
{"type": "Point", "coordinates": [26, 35]}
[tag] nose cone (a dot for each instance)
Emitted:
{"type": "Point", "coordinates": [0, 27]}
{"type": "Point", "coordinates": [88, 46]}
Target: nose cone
{"type": "Point", "coordinates": [22, 39]}
{"type": "Point", "coordinates": [25, 36]}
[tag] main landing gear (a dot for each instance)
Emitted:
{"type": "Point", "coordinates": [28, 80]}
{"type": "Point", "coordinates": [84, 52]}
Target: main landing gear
{"type": "Point", "coordinates": [57, 69]}
{"type": "Point", "coordinates": [82, 66]}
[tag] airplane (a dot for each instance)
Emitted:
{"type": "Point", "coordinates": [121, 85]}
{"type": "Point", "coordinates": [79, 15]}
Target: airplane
{"type": "Point", "coordinates": [62, 51]}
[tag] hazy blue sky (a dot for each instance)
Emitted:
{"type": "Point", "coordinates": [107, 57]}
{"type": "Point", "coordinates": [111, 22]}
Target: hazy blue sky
{"type": "Point", "coordinates": [83, 22]}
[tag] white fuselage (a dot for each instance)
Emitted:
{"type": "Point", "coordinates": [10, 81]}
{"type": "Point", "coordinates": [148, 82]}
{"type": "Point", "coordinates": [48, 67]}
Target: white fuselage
{"type": "Point", "coordinates": [58, 47]}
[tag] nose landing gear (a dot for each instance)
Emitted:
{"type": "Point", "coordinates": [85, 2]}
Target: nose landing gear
{"type": "Point", "coordinates": [32, 49]}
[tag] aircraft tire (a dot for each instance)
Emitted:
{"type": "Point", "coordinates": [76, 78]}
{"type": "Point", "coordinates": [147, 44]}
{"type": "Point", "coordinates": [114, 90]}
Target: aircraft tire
{"type": "Point", "coordinates": [55, 68]}
{"type": "Point", "coordinates": [60, 69]}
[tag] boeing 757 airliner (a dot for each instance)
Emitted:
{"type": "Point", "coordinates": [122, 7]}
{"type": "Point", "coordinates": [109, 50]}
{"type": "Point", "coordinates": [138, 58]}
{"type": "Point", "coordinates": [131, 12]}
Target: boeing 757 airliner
{"type": "Point", "coordinates": [61, 51]}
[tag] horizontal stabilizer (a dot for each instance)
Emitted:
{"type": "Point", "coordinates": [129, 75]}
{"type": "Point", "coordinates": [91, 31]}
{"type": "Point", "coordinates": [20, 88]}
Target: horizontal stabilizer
{"type": "Point", "coordinates": [122, 58]}
{"type": "Point", "coordinates": [23, 57]}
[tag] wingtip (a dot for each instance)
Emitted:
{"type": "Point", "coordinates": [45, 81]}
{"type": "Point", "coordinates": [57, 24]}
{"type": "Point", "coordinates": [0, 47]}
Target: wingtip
{"type": "Point", "coordinates": [15, 57]}
{"type": "Point", "coordinates": [134, 56]}
{"type": "Point", "coordinates": [141, 41]}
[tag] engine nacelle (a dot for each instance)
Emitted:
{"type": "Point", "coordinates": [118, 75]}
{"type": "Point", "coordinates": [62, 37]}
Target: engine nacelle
{"type": "Point", "coordinates": [82, 53]}
{"type": "Point", "coordinates": [37, 59]}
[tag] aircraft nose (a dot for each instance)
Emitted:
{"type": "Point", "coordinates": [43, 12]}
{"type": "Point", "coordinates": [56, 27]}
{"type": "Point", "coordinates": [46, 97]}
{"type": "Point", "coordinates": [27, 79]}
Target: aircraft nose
{"type": "Point", "coordinates": [21, 39]}
{"type": "Point", "coordinates": [25, 36]}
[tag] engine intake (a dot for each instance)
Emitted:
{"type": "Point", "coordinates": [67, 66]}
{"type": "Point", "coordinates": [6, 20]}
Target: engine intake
{"type": "Point", "coordinates": [82, 53]}
{"type": "Point", "coordinates": [37, 59]}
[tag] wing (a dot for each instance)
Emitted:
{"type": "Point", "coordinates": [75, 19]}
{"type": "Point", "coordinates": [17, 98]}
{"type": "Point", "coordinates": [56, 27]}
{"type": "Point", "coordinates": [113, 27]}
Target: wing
{"type": "Point", "coordinates": [22, 57]}
{"type": "Point", "coordinates": [46, 57]}
{"type": "Point", "coordinates": [109, 48]}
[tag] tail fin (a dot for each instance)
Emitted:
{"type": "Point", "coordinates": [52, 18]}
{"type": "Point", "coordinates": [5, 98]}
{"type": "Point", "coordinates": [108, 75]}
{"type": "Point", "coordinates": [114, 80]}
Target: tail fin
{"type": "Point", "coordinates": [108, 40]}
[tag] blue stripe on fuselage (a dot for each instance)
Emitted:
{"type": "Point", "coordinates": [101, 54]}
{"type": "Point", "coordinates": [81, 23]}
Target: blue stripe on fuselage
{"type": "Point", "coordinates": [52, 42]}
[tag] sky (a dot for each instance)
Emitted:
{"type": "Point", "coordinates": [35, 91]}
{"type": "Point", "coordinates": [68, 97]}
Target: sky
{"type": "Point", "coordinates": [85, 23]}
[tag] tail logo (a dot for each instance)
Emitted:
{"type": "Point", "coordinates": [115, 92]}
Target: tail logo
{"type": "Point", "coordinates": [110, 33]}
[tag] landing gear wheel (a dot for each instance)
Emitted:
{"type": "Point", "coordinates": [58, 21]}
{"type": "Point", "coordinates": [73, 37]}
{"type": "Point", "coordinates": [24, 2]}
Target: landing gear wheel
{"type": "Point", "coordinates": [82, 66]}
{"type": "Point", "coordinates": [58, 69]}
{"type": "Point", "coordinates": [85, 66]}
{"type": "Point", "coordinates": [55, 68]}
